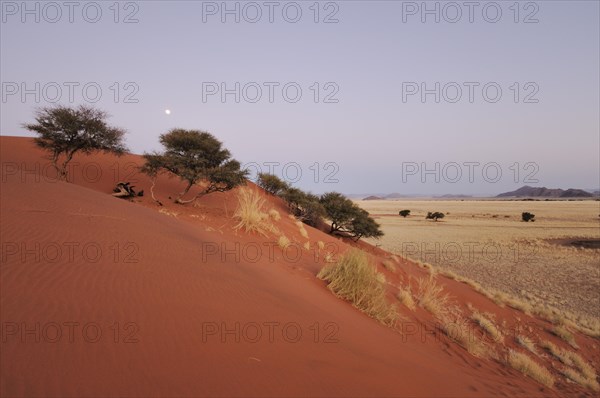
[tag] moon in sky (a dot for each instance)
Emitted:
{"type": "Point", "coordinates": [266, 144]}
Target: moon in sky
{"type": "Point", "coordinates": [168, 111]}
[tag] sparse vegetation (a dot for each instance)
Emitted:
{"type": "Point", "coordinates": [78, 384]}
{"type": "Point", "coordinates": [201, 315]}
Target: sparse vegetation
{"type": "Point", "coordinates": [530, 368]}
{"type": "Point", "coordinates": [64, 131]}
{"type": "Point", "coordinates": [404, 213]}
{"type": "Point", "coordinates": [354, 279]}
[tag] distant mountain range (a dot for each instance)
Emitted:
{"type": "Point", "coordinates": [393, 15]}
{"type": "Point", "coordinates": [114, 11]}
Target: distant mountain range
{"type": "Point", "coordinates": [523, 192]}
{"type": "Point", "coordinates": [543, 192]}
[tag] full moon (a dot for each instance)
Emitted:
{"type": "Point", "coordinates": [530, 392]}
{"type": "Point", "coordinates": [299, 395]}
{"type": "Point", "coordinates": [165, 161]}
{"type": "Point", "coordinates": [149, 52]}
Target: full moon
{"type": "Point", "coordinates": [168, 111]}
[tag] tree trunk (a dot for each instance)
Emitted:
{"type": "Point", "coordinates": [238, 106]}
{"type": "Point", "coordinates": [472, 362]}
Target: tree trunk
{"type": "Point", "coordinates": [152, 192]}
{"type": "Point", "coordinates": [182, 194]}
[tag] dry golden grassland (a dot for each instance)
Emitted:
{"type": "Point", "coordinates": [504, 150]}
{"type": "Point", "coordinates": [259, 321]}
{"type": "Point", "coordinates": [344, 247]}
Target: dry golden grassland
{"type": "Point", "coordinates": [486, 241]}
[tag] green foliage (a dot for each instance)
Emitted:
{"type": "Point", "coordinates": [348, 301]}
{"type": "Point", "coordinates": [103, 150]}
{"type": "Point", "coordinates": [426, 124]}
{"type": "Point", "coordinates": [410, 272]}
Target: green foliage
{"type": "Point", "coordinates": [195, 156]}
{"type": "Point", "coordinates": [434, 216]}
{"type": "Point", "coordinates": [526, 216]}
{"type": "Point", "coordinates": [305, 206]}
{"type": "Point", "coordinates": [347, 217]}
{"type": "Point", "coordinates": [404, 213]}
{"type": "Point", "coordinates": [64, 131]}
{"type": "Point", "coordinates": [271, 183]}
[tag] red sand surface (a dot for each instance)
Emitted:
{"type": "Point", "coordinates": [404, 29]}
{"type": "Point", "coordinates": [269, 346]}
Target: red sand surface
{"type": "Point", "coordinates": [105, 297]}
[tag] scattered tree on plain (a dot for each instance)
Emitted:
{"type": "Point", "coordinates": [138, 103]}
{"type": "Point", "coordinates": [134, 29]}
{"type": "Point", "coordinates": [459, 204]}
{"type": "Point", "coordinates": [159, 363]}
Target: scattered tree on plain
{"type": "Point", "coordinates": [434, 215]}
{"type": "Point", "coordinates": [64, 131]}
{"type": "Point", "coordinates": [195, 156]}
{"type": "Point", "coordinates": [526, 216]}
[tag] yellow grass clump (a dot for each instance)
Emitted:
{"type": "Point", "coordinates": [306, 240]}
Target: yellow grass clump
{"type": "Point", "coordinates": [406, 298]}
{"type": "Point", "coordinates": [530, 368]}
{"type": "Point", "coordinates": [250, 212]}
{"type": "Point", "coordinates": [488, 325]}
{"type": "Point", "coordinates": [527, 343]}
{"type": "Point", "coordinates": [430, 296]}
{"type": "Point", "coordinates": [577, 370]}
{"type": "Point", "coordinates": [274, 214]}
{"type": "Point", "coordinates": [283, 242]}
{"type": "Point", "coordinates": [564, 333]}
{"type": "Point", "coordinates": [303, 231]}
{"type": "Point", "coordinates": [456, 328]}
{"type": "Point", "coordinates": [354, 279]}
{"type": "Point", "coordinates": [387, 264]}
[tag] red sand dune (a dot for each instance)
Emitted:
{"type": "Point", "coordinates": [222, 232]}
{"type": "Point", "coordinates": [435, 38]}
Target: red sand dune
{"type": "Point", "coordinates": [77, 262]}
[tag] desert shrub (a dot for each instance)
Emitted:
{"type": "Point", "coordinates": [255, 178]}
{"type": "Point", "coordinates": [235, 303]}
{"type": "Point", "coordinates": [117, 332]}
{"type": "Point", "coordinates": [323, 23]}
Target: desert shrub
{"type": "Point", "coordinates": [354, 279]}
{"type": "Point", "coordinates": [271, 183]}
{"type": "Point", "coordinates": [404, 213]}
{"type": "Point", "coordinates": [434, 215]}
{"type": "Point", "coordinates": [347, 217]}
{"type": "Point", "coordinates": [195, 156]}
{"type": "Point", "coordinates": [64, 131]}
{"type": "Point", "coordinates": [527, 216]}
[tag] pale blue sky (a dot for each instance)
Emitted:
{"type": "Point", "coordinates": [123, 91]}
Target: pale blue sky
{"type": "Point", "coordinates": [170, 53]}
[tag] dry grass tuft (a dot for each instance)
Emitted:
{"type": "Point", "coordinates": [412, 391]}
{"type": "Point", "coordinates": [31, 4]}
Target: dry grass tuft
{"type": "Point", "coordinates": [354, 279]}
{"type": "Point", "coordinates": [321, 245]}
{"type": "Point", "coordinates": [457, 329]}
{"type": "Point", "coordinates": [527, 343]}
{"type": "Point", "coordinates": [530, 368]}
{"type": "Point", "coordinates": [580, 379]}
{"type": "Point", "coordinates": [578, 370]}
{"type": "Point", "coordinates": [430, 296]}
{"type": "Point", "coordinates": [564, 333]}
{"type": "Point", "coordinates": [250, 212]}
{"type": "Point", "coordinates": [406, 298]}
{"type": "Point", "coordinates": [387, 264]}
{"type": "Point", "coordinates": [488, 325]}
{"type": "Point", "coordinates": [306, 245]}
{"type": "Point", "coordinates": [283, 242]}
{"type": "Point", "coordinates": [274, 214]}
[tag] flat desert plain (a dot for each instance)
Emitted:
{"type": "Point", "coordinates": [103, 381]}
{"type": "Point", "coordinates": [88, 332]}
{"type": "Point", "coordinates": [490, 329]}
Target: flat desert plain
{"type": "Point", "coordinates": [486, 241]}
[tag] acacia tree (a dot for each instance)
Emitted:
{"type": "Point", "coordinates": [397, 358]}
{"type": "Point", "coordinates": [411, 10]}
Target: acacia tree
{"type": "Point", "coordinates": [305, 206]}
{"type": "Point", "coordinates": [64, 131]}
{"type": "Point", "coordinates": [434, 216]}
{"type": "Point", "coordinates": [271, 183]}
{"type": "Point", "coordinates": [347, 217]}
{"type": "Point", "coordinates": [195, 156]}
